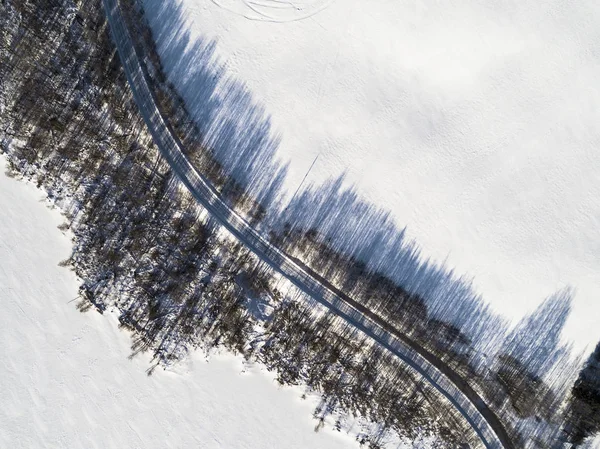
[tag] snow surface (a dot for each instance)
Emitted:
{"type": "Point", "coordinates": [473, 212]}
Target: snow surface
{"type": "Point", "coordinates": [475, 123]}
{"type": "Point", "coordinates": [65, 377]}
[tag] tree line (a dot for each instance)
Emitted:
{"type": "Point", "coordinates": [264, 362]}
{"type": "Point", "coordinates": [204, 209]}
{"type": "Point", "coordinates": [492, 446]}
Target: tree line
{"type": "Point", "coordinates": [143, 246]}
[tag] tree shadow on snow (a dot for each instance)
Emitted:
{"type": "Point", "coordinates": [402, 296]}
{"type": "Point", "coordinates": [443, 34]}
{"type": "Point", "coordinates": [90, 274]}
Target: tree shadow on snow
{"type": "Point", "coordinates": [238, 131]}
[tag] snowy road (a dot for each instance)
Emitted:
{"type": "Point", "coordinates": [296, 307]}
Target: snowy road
{"type": "Point", "coordinates": [434, 370]}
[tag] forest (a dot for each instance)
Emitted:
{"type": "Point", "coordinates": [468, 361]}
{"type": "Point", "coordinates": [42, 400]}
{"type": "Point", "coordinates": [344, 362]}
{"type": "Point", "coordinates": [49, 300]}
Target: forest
{"type": "Point", "coordinates": [143, 246]}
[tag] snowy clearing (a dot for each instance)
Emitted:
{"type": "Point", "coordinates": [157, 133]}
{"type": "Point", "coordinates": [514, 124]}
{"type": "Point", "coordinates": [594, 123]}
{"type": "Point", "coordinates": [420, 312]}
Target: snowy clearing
{"type": "Point", "coordinates": [66, 381]}
{"type": "Point", "coordinates": [475, 124]}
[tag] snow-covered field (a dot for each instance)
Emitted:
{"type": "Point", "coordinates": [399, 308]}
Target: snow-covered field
{"type": "Point", "coordinates": [475, 123]}
{"type": "Point", "coordinates": [66, 380]}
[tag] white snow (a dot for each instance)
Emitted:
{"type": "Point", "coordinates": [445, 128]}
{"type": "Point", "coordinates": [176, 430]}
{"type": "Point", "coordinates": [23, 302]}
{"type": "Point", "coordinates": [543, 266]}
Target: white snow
{"type": "Point", "coordinates": [65, 377]}
{"type": "Point", "coordinates": [475, 123]}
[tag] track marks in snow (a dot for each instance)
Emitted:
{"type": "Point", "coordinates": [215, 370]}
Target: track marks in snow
{"type": "Point", "coordinates": [278, 11]}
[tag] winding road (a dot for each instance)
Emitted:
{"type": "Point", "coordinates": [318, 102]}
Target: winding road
{"type": "Point", "coordinates": [447, 382]}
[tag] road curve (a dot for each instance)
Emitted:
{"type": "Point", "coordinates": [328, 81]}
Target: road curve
{"type": "Point", "coordinates": [466, 401]}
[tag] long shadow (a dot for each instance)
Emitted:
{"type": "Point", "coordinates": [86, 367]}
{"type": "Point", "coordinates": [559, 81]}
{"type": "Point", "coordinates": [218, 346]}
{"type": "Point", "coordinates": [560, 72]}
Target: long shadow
{"type": "Point", "coordinates": [237, 131]}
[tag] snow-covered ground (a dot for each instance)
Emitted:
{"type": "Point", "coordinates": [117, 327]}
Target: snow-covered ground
{"type": "Point", "coordinates": [475, 123]}
{"type": "Point", "coordinates": [65, 377]}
